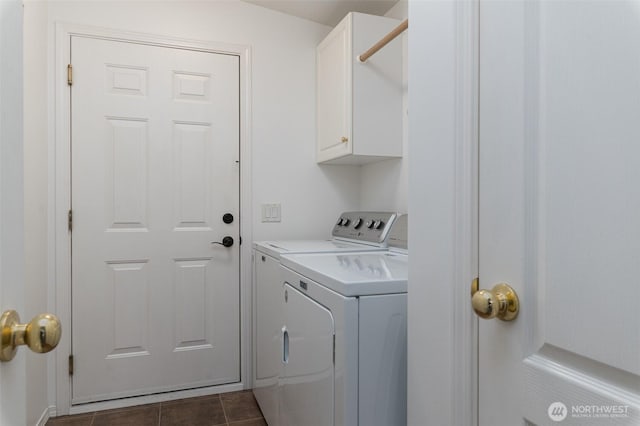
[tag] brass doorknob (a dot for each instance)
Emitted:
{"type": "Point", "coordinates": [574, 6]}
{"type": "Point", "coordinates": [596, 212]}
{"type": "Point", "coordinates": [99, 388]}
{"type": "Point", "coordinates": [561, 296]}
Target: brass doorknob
{"type": "Point", "coordinates": [500, 302]}
{"type": "Point", "coordinates": [41, 334]}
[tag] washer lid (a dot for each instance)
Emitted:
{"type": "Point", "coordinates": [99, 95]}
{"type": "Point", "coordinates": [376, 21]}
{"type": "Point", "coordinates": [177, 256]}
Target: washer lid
{"type": "Point", "coordinates": [353, 274]}
{"type": "Point", "coordinates": [277, 248]}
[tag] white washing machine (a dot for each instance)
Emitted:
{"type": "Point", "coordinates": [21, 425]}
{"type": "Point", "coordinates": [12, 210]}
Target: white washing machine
{"type": "Point", "coordinates": [354, 231]}
{"type": "Point", "coordinates": [344, 339]}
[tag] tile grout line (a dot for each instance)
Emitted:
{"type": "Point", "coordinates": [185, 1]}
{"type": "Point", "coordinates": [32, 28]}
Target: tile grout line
{"type": "Point", "coordinates": [160, 414]}
{"type": "Point", "coordinates": [226, 419]}
{"type": "Point", "coordinates": [237, 422]}
{"type": "Point", "coordinates": [246, 420]}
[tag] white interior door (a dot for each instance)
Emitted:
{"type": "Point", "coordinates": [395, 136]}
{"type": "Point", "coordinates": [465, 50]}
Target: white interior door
{"type": "Point", "coordinates": [559, 211]}
{"type": "Point", "coordinates": [12, 374]}
{"type": "Point", "coordinates": [155, 145]}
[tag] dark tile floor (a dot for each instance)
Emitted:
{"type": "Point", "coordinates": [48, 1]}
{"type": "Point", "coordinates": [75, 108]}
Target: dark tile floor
{"type": "Point", "coordinates": [232, 409]}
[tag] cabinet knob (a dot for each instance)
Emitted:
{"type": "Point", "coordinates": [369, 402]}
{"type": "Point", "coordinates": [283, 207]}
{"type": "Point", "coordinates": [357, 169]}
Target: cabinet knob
{"type": "Point", "coordinates": [345, 139]}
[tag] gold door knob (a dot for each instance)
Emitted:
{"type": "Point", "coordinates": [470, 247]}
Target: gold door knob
{"type": "Point", "coordinates": [345, 139]}
{"type": "Point", "coordinates": [500, 302]}
{"type": "Point", "coordinates": [41, 334]}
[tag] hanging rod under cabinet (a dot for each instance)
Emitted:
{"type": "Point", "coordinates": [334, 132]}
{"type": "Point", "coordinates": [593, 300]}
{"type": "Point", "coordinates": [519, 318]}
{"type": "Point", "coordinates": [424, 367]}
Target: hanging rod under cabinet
{"type": "Point", "coordinates": [383, 42]}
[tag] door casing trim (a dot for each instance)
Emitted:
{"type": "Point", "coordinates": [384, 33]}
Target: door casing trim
{"type": "Point", "coordinates": [59, 239]}
{"type": "Point", "coordinates": [443, 169]}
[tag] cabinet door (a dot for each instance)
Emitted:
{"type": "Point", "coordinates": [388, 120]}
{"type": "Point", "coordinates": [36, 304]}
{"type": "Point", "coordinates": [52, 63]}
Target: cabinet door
{"type": "Point", "coordinates": [334, 94]}
{"type": "Point", "coordinates": [307, 389]}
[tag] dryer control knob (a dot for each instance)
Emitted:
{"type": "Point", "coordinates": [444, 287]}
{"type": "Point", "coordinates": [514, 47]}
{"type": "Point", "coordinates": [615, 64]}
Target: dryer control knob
{"type": "Point", "coordinates": [378, 224]}
{"type": "Point", "coordinates": [369, 224]}
{"type": "Point", "coordinates": [358, 223]}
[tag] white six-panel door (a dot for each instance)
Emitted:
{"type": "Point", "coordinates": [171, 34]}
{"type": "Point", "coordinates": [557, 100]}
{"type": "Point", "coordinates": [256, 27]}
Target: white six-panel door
{"type": "Point", "coordinates": [155, 145]}
{"type": "Point", "coordinates": [559, 211]}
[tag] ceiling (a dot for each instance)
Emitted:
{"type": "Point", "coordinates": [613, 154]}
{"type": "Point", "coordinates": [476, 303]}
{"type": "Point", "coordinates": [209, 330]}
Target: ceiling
{"type": "Point", "coordinates": [327, 12]}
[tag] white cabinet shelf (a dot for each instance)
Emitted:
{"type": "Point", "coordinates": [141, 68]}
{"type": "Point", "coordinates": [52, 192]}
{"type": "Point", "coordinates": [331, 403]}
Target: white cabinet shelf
{"type": "Point", "coordinates": [359, 105]}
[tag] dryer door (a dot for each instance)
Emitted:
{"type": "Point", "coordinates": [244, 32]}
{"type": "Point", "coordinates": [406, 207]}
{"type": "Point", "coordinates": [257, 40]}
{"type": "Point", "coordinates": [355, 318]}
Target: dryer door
{"type": "Point", "coordinates": [306, 382]}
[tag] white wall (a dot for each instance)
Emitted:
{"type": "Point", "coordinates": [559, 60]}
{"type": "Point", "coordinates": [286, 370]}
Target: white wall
{"type": "Point", "coordinates": [384, 184]}
{"type": "Point", "coordinates": [431, 178]}
{"type": "Point", "coordinates": [283, 118]}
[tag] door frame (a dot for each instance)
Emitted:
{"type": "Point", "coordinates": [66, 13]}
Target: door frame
{"type": "Point", "coordinates": [60, 199]}
{"type": "Point", "coordinates": [443, 194]}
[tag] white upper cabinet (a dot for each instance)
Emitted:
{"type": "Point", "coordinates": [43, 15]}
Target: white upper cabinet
{"type": "Point", "coordinates": [359, 110]}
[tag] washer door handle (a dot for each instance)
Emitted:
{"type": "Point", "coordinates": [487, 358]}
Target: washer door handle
{"type": "Point", "coordinates": [285, 345]}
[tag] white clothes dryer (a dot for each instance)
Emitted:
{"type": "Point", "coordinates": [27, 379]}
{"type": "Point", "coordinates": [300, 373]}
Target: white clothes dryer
{"type": "Point", "coordinates": [344, 339]}
{"type": "Point", "coordinates": [354, 231]}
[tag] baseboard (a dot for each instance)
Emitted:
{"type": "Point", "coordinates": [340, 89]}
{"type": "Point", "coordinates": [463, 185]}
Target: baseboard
{"type": "Point", "coordinates": [150, 399]}
{"type": "Point", "coordinates": [46, 415]}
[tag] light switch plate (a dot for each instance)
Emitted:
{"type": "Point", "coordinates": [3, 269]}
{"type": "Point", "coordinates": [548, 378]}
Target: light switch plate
{"type": "Point", "coordinates": [271, 212]}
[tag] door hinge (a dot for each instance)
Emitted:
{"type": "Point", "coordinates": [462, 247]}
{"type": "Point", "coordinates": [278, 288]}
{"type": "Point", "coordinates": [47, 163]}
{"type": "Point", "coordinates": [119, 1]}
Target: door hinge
{"type": "Point", "coordinates": [71, 365]}
{"type": "Point", "coordinates": [69, 75]}
{"type": "Point", "coordinates": [70, 220]}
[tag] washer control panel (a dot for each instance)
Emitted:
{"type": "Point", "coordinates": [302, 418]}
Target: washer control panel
{"type": "Point", "coordinates": [371, 227]}
{"type": "Point", "coordinates": [399, 234]}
